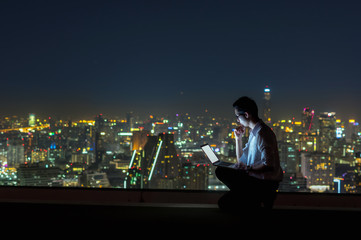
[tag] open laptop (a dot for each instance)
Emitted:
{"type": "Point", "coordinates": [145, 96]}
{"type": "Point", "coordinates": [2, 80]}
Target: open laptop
{"type": "Point", "coordinates": [213, 157]}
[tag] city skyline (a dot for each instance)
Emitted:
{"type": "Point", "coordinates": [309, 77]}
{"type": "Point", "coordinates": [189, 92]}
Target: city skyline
{"type": "Point", "coordinates": [262, 105]}
{"type": "Point", "coordinates": [317, 153]}
{"type": "Point", "coordinates": [91, 57]}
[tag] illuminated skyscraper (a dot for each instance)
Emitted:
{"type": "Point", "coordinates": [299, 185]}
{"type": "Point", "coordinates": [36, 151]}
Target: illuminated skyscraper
{"type": "Point", "coordinates": [156, 165]}
{"type": "Point", "coordinates": [307, 119]}
{"type": "Point", "coordinates": [293, 180]}
{"type": "Point", "coordinates": [15, 153]}
{"type": "Point", "coordinates": [194, 176]}
{"type": "Point", "coordinates": [139, 139]}
{"type": "Point", "coordinates": [98, 141]}
{"type": "Point", "coordinates": [351, 130]}
{"type": "Point", "coordinates": [162, 164]}
{"type": "Point", "coordinates": [327, 134]}
{"type": "Point", "coordinates": [319, 170]}
{"type": "Point", "coordinates": [32, 120]}
{"type": "Point", "coordinates": [267, 105]}
{"type": "Point", "coordinates": [39, 175]}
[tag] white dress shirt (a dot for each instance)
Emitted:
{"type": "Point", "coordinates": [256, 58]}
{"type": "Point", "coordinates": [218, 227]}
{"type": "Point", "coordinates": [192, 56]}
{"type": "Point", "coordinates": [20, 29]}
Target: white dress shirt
{"type": "Point", "coordinates": [262, 149]}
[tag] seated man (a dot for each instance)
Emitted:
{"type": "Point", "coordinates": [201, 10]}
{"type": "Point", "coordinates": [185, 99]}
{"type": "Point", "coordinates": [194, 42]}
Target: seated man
{"type": "Point", "coordinates": [256, 175]}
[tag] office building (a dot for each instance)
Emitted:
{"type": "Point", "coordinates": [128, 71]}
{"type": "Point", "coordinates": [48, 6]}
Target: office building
{"type": "Point", "coordinates": [319, 170]}
{"type": "Point", "coordinates": [15, 153]}
{"type": "Point", "coordinates": [32, 120]}
{"type": "Point", "coordinates": [194, 176]}
{"type": "Point", "coordinates": [161, 166]}
{"type": "Point", "coordinates": [293, 180]}
{"type": "Point", "coordinates": [327, 132]}
{"type": "Point", "coordinates": [98, 141]}
{"type": "Point", "coordinates": [289, 157]}
{"type": "Point", "coordinates": [39, 175]}
{"type": "Point", "coordinates": [267, 105]}
{"type": "Point", "coordinates": [307, 120]}
{"type": "Point", "coordinates": [94, 180]}
{"type": "Point", "coordinates": [39, 155]}
{"type": "Point", "coordinates": [351, 130]}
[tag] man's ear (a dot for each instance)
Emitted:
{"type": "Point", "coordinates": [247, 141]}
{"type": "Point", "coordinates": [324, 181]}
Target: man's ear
{"type": "Point", "coordinates": [246, 115]}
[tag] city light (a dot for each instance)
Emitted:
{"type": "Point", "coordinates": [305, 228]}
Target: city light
{"type": "Point", "coordinates": [123, 94]}
{"type": "Point", "coordinates": [155, 161]}
{"type": "Point", "coordinates": [316, 150]}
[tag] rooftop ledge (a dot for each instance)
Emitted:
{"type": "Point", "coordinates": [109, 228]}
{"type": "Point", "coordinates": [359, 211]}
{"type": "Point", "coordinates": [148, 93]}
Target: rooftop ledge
{"type": "Point", "coordinates": [117, 207]}
{"type": "Point", "coordinates": [141, 197]}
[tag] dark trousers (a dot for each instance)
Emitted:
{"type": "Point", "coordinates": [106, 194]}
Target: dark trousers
{"type": "Point", "coordinates": [246, 192]}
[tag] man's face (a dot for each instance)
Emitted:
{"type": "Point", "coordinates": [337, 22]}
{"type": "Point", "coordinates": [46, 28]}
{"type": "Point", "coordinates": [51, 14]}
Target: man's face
{"type": "Point", "coordinates": [242, 118]}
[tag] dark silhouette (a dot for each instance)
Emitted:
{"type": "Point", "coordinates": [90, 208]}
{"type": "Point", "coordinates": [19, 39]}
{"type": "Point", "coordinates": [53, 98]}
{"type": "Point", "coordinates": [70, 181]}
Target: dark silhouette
{"type": "Point", "coordinates": [254, 179]}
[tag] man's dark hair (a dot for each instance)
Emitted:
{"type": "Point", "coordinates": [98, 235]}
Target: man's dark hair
{"type": "Point", "coordinates": [246, 104]}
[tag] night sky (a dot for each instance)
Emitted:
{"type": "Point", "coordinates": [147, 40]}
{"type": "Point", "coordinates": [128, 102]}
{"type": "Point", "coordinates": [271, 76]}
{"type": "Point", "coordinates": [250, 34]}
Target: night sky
{"type": "Point", "coordinates": [80, 58]}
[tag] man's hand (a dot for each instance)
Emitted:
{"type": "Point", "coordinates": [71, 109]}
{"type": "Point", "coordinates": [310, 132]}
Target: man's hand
{"type": "Point", "coordinates": [240, 166]}
{"type": "Point", "coordinates": [239, 131]}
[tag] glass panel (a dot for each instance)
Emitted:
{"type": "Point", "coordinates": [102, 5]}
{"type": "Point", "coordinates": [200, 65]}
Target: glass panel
{"type": "Point", "coordinates": [165, 75]}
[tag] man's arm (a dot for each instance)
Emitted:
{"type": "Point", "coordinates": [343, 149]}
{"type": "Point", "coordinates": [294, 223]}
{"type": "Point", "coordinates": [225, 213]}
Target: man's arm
{"type": "Point", "coordinates": [238, 133]}
{"type": "Point", "coordinates": [267, 145]}
{"type": "Point", "coordinates": [239, 149]}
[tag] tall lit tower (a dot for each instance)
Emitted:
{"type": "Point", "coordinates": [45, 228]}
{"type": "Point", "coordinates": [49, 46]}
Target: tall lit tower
{"type": "Point", "coordinates": [267, 105]}
{"type": "Point", "coordinates": [32, 120]}
{"type": "Point", "coordinates": [307, 119]}
{"type": "Point", "coordinates": [327, 133]}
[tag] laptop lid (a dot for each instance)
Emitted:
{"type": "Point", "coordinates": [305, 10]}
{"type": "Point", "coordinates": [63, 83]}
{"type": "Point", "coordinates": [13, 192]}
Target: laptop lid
{"type": "Point", "coordinates": [209, 152]}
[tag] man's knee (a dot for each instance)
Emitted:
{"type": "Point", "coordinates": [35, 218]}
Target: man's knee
{"type": "Point", "coordinates": [219, 172]}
